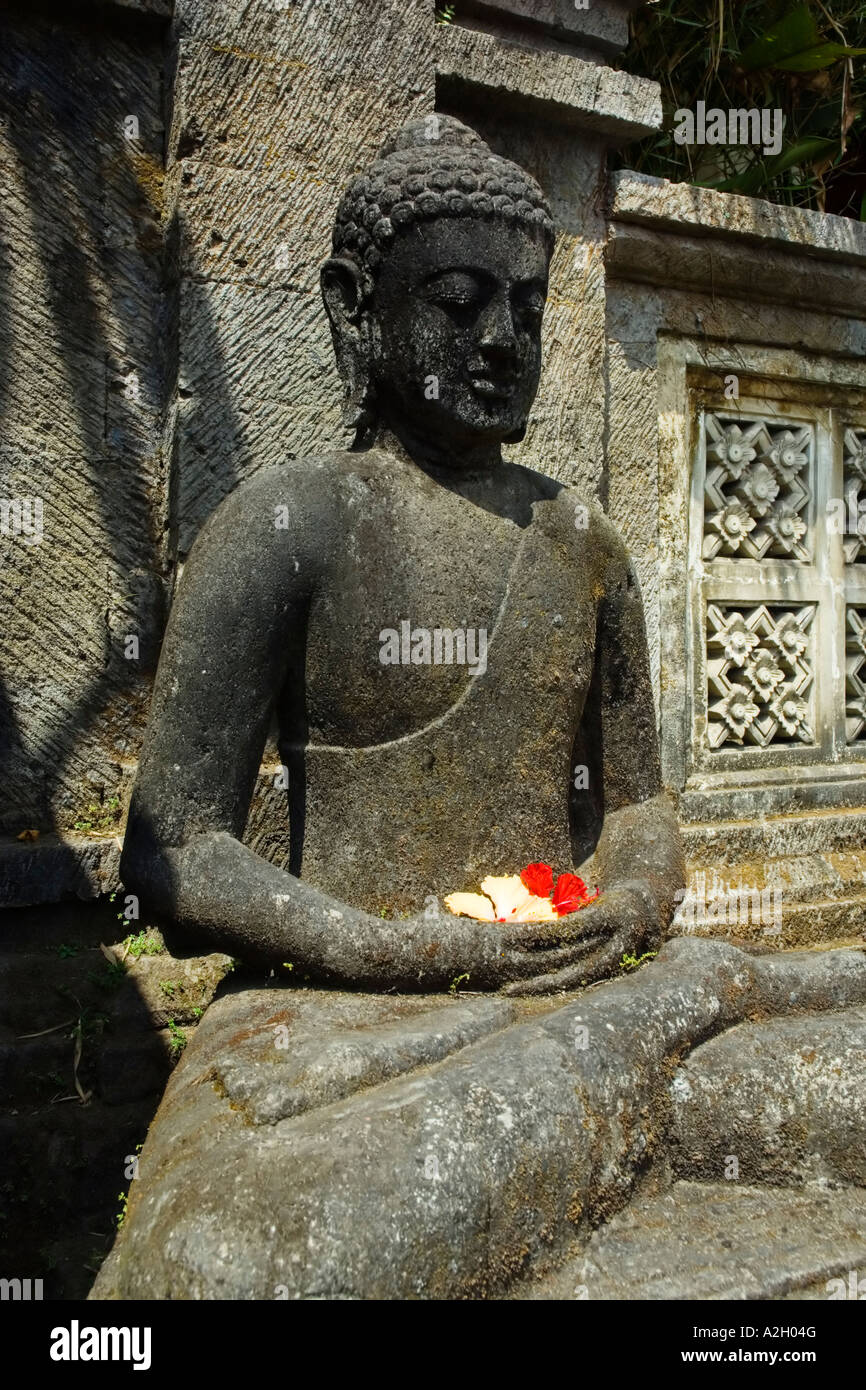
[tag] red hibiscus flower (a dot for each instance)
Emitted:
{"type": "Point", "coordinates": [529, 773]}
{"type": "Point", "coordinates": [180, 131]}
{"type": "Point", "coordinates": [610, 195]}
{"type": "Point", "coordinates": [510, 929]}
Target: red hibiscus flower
{"type": "Point", "coordinates": [570, 894]}
{"type": "Point", "coordinates": [538, 878]}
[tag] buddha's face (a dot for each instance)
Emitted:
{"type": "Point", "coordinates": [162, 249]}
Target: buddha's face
{"type": "Point", "coordinates": [458, 305]}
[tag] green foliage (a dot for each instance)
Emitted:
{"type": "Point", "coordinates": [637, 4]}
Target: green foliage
{"type": "Point", "coordinates": [111, 977]}
{"type": "Point", "coordinates": [178, 1039]}
{"type": "Point", "coordinates": [123, 1199]}
{"type": "Point", "coordinates": [143, 943]}
{"type": "Point", "coordinates": [168, 987]}
{"type": "Point", "coordinates": [67, 949]}
{"type": "Point", "coordinates": [445, 14]}
{"type": "Point", "coordinates": [803, 57]}
{"type": "Point", "coordinates": [629, 963]}
{"type": "Point", "coordinates": [100, 817]}
{"type": "Point", "coordinates": [455, 983]}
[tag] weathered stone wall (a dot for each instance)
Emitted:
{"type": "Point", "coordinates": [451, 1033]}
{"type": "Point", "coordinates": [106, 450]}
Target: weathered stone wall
{"type": "Point", "coordinates": [83, 328]}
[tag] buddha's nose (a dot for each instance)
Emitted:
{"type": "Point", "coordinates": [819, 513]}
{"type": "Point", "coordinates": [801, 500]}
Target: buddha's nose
{"type": "Point", "coordinates": [496, 329]}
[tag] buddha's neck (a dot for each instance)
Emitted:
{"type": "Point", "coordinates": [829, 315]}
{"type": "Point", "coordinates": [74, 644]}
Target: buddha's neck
{"type": "Point", "coordinates": [449, 461]}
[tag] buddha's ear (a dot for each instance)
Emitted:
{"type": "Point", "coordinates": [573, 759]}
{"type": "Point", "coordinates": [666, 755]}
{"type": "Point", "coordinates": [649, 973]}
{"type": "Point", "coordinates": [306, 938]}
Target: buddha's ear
{"type": "Point", "coordinates": [344, 293]}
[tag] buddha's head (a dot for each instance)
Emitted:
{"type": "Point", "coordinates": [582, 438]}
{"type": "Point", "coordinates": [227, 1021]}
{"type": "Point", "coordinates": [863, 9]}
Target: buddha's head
{"type": "Point", "coordinates": [435, 290]}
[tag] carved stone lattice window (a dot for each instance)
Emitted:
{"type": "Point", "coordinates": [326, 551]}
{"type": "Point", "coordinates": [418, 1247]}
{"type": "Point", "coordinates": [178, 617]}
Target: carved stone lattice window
{"type": "Point", "coordinates": [756, 489]}
{"type": "Point", "coordinates": [778, 583]}
{"type": "Point", "coordinates": [760, 668]}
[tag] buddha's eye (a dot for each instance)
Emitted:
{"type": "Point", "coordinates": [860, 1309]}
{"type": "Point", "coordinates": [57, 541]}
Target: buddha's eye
{"type": "Point", "coordinates": [454, 289]}
{"type": "Point", "coordinates": [531, 306]}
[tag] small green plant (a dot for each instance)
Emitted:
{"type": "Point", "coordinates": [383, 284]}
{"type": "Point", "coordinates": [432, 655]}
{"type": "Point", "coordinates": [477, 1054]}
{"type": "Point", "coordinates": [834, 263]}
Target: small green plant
{"type": "Point", "coordinates": [197, 1012]}
{"type": "Point", "coordinates": [445, 14]}
{"type": "Point", "coordinates": [287, 965]}
{"type": "Point", "coordinates": [168, 987]}
{"type": "Point", "coordinates": [100, 817]}
{"type": "Point", "coordinates": [632, 962]}
{"type": "Point", "coordinates": [455, 983]}
{"type": "Point", "coordinates": [123, 1199]}
{"type": "Point", "coordinates": [67, 949]}
{"type": "Point", "coordinates": [178, 1039]}
{"type": "Point", "coordinates": [142, 943]}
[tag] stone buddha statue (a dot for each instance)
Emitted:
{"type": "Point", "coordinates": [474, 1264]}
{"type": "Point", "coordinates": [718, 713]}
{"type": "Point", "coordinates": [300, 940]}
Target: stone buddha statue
{"type": "Point", "coordinates": [450, 645]}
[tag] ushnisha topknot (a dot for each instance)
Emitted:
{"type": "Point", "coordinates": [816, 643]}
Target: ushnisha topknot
{"type": "Point", "coordinates": [434, 166]}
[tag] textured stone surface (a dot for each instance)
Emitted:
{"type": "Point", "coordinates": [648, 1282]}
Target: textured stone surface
{"type": "Point", "coordinates": [717, 1241]}
{"type": "Point", "coordinates": [600, 99]}
{"type": "Point", "coordinates": [789, 900]}
{"type": "Point", "coordinates": [274, 111]}
{"type": "Point", "coordinates": [694, 262]}
{"type": "Point", "coordinates": [53, 867]}
{"type": "Point", "coordinates": [785, 1098]}
{"type": "Point", "coordinates": [299, 1051]}
{"type": "Point", "coordinates": [672, 348]}
{"type": "Point", "coordinates": [452, 1179]}
{"type": "Point", "coordinates": [81, 367]}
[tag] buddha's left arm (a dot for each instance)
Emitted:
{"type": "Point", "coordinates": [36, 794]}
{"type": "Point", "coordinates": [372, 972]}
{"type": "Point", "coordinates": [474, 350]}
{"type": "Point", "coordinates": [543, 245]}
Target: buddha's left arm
{"type": "Point", "coordinates": [640, 844]}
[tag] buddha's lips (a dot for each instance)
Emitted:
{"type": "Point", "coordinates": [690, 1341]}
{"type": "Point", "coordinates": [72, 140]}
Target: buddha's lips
{"type": "Point", "coordinates": [493, 390]}
{"type": "Point", "coordinates": [497, 386]}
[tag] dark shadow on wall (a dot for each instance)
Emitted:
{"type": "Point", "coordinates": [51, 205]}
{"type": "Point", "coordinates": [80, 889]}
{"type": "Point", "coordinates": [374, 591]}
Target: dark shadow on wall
{"type": "Point", "coordinates": [110, 271]}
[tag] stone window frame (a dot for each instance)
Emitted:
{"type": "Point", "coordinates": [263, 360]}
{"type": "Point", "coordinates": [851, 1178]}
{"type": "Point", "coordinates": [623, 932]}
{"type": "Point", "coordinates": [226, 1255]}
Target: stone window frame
{"type": "Point", "coordinates": [794, 385]}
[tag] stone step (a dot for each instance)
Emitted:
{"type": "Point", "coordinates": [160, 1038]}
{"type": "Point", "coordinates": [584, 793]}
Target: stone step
{"type": "Point", "coordinates": [40, 1071]}
{"type": "Point", "coordinates": [796, 900]}
{"type": "Point", "coordinates": [50, 868]}
{"type": "Point", "coordinates": [719, 1241]}
{"type": "Point", "coordinates": [796, 833]}
{"type": "Point", "coordinates": [41, 990]}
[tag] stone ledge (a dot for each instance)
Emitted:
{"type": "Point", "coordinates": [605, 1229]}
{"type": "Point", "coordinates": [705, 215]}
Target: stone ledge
{"type": "Point", "coordinates": [681, 207]}
{"type": "Point", "coordinates": [734, 268]}
{"type": "Point", "coordinates": [556, 85]}
{"type": "Point", "coordinates": [768, 836]}
{"type": "Point", "coordinates": [52, 867]}
{"type": "Point", "coordinates": [602, 25]}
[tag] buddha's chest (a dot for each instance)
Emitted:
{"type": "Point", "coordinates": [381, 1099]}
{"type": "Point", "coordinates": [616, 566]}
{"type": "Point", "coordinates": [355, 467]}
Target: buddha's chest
{"type": "Point", "coordinates": [476, 614]}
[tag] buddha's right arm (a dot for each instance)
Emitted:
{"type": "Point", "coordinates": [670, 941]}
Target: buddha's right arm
{"type": "Point", "coordinates": [229, 899]}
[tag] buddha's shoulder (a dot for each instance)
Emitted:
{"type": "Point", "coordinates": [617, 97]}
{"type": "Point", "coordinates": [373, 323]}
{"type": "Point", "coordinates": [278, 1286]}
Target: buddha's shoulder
{"type": "Point", "coordinates": [300, 488]}
{"type": "Point", "coordinates": [579, 515]}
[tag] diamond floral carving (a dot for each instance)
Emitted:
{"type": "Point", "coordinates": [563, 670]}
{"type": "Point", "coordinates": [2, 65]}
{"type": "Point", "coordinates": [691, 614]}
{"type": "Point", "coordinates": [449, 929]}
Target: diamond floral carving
{"type": "Point", "coordinates": [757, 489]}
{"type": "Point", "coordinates": [855, 674]}
{"type": "Point", "coordinates": [760, 674]}
{"type": "Point", "coordinates": [854, 487]}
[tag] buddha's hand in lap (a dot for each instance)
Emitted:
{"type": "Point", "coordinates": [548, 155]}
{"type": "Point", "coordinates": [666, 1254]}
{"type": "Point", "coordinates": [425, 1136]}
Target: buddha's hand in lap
{"type": "Point", "coordinates": [543, 958]}
{"type": "Point", "coordinates": [584, 946]}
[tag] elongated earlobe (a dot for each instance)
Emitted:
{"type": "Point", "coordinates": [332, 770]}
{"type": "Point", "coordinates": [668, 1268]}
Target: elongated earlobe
{"type": "Point", "coordinates": [344, 294]}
